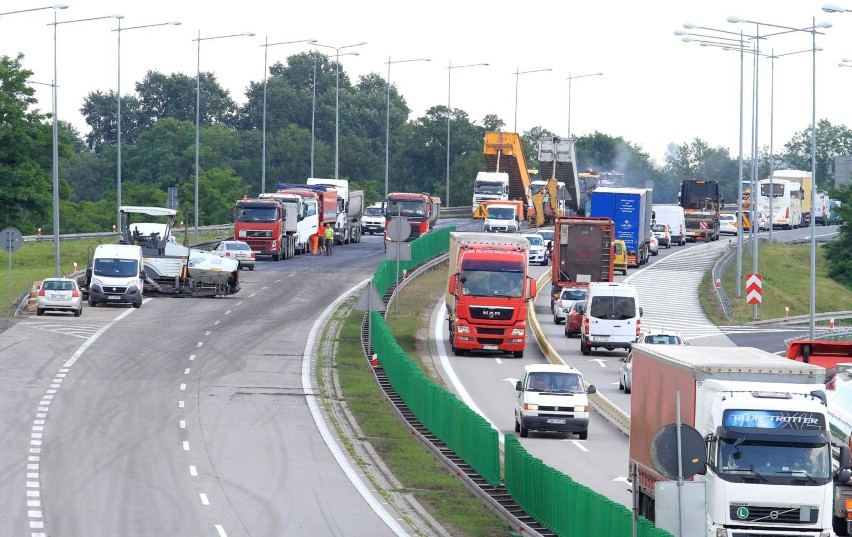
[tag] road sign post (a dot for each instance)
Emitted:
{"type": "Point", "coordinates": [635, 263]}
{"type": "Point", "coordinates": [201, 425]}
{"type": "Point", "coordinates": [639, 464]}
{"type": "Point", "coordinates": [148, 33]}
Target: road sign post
{"type": "Point", "coordinates": [10, 240]}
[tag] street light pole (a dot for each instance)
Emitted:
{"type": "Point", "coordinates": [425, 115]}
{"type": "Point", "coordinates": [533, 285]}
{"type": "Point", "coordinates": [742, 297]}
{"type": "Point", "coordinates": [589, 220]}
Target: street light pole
{"type": "Point", "coordinates": [313, 111]}
{"type": "Point", "coordinates": [387, 116]}
{"type": "Point", "coordinates": [55, 24]}
{"type": "Point", "coordinates": [449, 113]}
{"type": "Point", "coordinates": [337, 56]}
{"type": "Point", "coordinates": [118, 113]}
{"type": "Point", "coordinates": [199, 39]}
{"type": "Point", "coordinates": [569, 79]}
{"type": "Point", "coordinates": [266, 44]}
{"type": "Point", "coordinates": [517, 76]}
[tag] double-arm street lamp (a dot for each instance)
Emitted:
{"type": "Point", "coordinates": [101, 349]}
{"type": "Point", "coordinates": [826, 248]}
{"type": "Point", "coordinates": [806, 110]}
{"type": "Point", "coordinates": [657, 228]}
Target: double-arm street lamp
{"type": "Point", "coordinates": [813, 30]}
{"type": "Point", "coordinates": [387, 116]}
{"type": "Point", "coordinates": [337, 56]}
{"type": "Point", "coordinates": [266, 46]}
{"type": "Point", "coordinates": [198, 40]}
{"type": "Point", "coordinates": [54, 6]}
{"type": "Point", "coordinates": [569, 79]}
{"type": "Point", "coordinates": [517, 76]}
{"type": "Point", "coordinates": [449, 114]}
{"type": "Point", "coordinates": [118, 112]}
{"type": "Point", "coordinates": [55, 24]}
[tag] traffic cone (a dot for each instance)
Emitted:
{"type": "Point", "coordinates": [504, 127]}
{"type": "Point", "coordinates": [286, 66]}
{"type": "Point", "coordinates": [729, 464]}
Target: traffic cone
{"type": "Point", "coordinates": [718, 283]}
{"type": "Point", "coordinates": [786, 312]}
{"type": "Point", "coordinates": [374, 361]}
{"type": "Point", "coordinates": [831, 324]}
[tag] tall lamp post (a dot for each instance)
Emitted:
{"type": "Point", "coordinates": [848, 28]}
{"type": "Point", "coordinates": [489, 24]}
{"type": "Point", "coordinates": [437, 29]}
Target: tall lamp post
{"type": "Point", "coordinates": [449, 113]}
{"type": "Point", "coordinates": [198, 40]}
{"type": "Point", "coordinates": [118, 113]}
{"type": "Point", "coordinates": [517, 76]}
{"type": "Point", "coordinates": [387, 116]}
{"type": "Point", "coordinates": [337, 56]}
{"type": "Point", "coordinates": [569, 79]}
{"type": "Point", "coordinates": [55, 24]}
{"type": "Point", "coordinates": [266, 46]}
{"type": "Point", "coordinates": [813, 30]}
{"type": "Point", "coordinates": [54, 6]}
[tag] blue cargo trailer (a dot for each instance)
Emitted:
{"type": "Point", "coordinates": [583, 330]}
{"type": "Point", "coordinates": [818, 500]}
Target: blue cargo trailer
{"type": "Point", "coordinates": [630, 210]}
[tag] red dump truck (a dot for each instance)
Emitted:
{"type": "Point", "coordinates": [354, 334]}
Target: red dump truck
{"type": "Point", "coordinates": [487, 293]}
{"type": "Point", "coordinates": [421, 210]}
{"type": "Point", "coordinates": [260, 224]}
{"type": "Point", "coordinates": [582, 253]}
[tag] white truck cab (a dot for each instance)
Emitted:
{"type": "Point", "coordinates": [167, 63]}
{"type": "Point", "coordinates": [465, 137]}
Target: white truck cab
{"type": "Point", "coordinates": [552, 397]}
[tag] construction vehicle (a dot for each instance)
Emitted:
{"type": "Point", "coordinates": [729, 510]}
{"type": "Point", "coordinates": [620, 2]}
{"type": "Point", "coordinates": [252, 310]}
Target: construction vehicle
{"type": "Point", "coordinates": [327, 200]}
{"type": "Point", "coordinates": [582, 252]}
{"type": "Point", "coordinates": [503, 152]}
{"type": "Point", "coordinates": [172, 268]}
{"type": "Point", "coordinates": [301, 216]}
{"type": "Point", "coordinates": [756, 449]}
{"type": "Point", "coordinates": [260, 223]}
{"type": "Point", "coordinates": [487, 293]}
{"type": "Point", "coordinates": [558, 193]}
{"type": "Point", "coordinates": [702, 203]}
{"type": "Point", "coordinates": [630, 210]}
{"type": "Point", "coordinates": [421, 210]}
{"type": "Point", "coordinates": [490, 186]}
{"type": "Point", "coordinates": [350, 207]}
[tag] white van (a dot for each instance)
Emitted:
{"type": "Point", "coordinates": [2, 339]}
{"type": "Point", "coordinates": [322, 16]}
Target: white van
{"type": "Point", "coordinates": [116, 275]}
{"type": "Point", "coordinates": [612, 317]}
{"type": "Point", "coordinates": [552, 397]}
{"type": "Point", "coordinates": [673, 216]}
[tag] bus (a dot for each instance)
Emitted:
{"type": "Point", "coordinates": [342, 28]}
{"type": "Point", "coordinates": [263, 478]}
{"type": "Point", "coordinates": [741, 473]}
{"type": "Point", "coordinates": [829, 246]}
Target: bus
{"type": "Point", "coordinates": [786, 199]}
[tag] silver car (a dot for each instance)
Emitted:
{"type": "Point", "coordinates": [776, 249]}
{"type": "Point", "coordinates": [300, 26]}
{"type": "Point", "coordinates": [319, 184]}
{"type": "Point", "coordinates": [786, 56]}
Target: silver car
{"type": "Point", "coordinates": [238, 250]}
{"type": "Point", "coordinates": [566, 299]}
{"type": "Point", "coordinates": [59, 294]}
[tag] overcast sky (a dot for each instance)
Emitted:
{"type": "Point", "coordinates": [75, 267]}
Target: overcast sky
{"type": "Point", "coordinates": [655, 90]}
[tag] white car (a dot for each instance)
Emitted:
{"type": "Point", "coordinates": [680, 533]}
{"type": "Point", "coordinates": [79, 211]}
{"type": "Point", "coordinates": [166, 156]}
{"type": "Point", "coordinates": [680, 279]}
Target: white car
{"type": "Point", "coordinates": [537, 251]}
{"type": "Point", "coordinates": [653, 245]}
{"type": "Point", "coordinates": [728, 224]}
{"type": "Point", "coordinates": [373, 219]}
{"type": "Point", "coordinates": [566, 299]}
{"type": "Point", "coordinates": [664, 237]}
{"type": "Point", "coordinates": [238, 250]}
{"type": "Point", "coordinates": [59, 294]}
{"type": "Point", "coordinates": [653, 337]}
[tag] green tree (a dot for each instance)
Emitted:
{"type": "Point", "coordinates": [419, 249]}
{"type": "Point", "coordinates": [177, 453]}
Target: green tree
{"type": "Point", "coordinates": [837, 251]}
{"type": "Point", "coordinates": [831, 141]}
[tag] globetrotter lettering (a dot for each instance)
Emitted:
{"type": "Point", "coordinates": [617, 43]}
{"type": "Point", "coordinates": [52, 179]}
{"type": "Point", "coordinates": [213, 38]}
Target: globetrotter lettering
{"type": "Point", "coordinates": [773, 419]}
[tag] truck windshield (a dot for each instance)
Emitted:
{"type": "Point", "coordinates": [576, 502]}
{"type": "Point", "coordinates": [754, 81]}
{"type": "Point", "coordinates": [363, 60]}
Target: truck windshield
{"type": "Point", "coordinates": [257, 214]}
{"type": "Point", "coordinates": [116, 268]}
{"type": "Point", "coordinates": [774, 458]}
{"type": "Point", "coordinates": [501, 213]}
{"type": "Point", "coordinates": [493, 283]}
{"type": "Point", "coordinates": [494, 189]}
{"type": "Point", "coordinates": [406, 208]}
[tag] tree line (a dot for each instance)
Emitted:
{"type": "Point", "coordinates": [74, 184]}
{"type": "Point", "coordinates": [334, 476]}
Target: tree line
{"type": "Point", "coordinates": [158, 146]}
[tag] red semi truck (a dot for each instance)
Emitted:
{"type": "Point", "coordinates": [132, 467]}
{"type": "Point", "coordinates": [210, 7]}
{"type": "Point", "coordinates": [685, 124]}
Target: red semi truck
{"type": "Point", "coordinates": [487, 293]}
{"type": "Point", "coordinates": [421, 210]}
{"type": "Point", "coordinates": [260, 224]}
{"type": "Point", "coordinates": [582, 253]}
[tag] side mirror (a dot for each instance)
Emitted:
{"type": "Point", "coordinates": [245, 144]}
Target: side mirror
{"type": "Point", "coordinates": [519, 386]}
{"type": "Point", "coordinates": [591, 389]}
{"type": "Point", "coordinates": [451, 286]}
{"type": "Point", "coordinates": [844, 460]}
{"type": "Point", "coordinates": [143, 274]}
{"type": "Point", "coordinates": [531, 287]}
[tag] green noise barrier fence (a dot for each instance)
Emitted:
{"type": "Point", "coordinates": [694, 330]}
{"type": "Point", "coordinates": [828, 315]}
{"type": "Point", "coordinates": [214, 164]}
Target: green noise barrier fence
{"type": "Point", "coordinates": [551, 497]}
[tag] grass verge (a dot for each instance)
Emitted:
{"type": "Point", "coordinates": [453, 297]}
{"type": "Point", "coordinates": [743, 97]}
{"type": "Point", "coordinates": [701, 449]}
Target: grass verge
{"type": "Point", "coordinates": [421, 475]}
{"type": "Point", "coordinates": [785, 271]}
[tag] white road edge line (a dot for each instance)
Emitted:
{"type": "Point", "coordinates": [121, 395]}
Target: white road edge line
{"type": "Point", "coordinates": [323, 428]}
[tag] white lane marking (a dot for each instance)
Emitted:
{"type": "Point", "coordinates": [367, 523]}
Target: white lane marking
{"type": "Point", "coordinates": [204, 500]}
{"type": "Point", "coordinates": [240, 303]}
{"type": "Point", "coordinates": [191, 357]}
{"type": "Point", "coordinates": [182, 387]}
{"type": "Point", "coordinates": [227, 312]}
{"type": "Point", "coordinates": [499, 361]}
{"type": "Point", "coordinates": [579, 445]}
{"type": "Point", "coordinates": [180, 404]}
{"type": "Point", "coordinates": [34, 513]}
{"type": "Point", "coordinates": [511, 381]}
{"type": "Point", "coordinates": [54, 385]}
{"type": "Point", "coordinates": [186, 371]}
{"type": "Point", "coordinates": [182, 424]}
{"type": "Point", "coordinates": [193, 472]}
{"type": "Point", "coordinates": [600, 361]}
{"type": "Point", "coordinates": [448, 368]}
{"type": "Point", "coordinates": [330, 442]}
{"type": "Point", "coordinates": [216, 323]}
{"type": "Point", "coordinates": [92, 339]}
{"type": "Point", "coordinates": [621, 478]}
{"type": "Point", "coordinates": [33, 503]}
{"type": "Point", "coordinates": [207, 333]}
{"type": "Point", "coordinates": [185, 445]}
{"type": "Point", "coordinates": [33, 493]}
{"type": "Point", "coordinates": [220, 530]}
{"type": "Point", "coordinates": [32, 467]}
{"type": "Point", "coordinates": [200, 343]}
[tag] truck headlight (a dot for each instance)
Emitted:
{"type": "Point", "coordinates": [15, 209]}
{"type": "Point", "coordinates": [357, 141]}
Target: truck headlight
{"type": "Point", "coordinates": [463, 329]}
{"type": "Point", "coordinates": [517, 332]}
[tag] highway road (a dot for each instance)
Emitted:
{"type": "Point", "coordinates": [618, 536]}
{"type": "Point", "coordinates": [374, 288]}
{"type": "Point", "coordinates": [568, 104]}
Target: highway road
{"type": "Point", "coordinates": [198, 416]}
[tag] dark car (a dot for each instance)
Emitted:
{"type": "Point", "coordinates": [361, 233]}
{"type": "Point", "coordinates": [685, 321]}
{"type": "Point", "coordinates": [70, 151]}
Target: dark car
{"type": "Point", "coordinates": [574, 319]}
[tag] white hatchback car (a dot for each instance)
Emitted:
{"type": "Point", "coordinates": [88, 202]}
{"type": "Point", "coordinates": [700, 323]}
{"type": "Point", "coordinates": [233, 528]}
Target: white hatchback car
{"type": "Point", "coordinates": [537, 252]}
{"type": "Point", "coordinates": [728, 224]}
{"type": "Point", "coordinates": [59, 294]}
{"type": "Point", "coordinates": [566, 299]}
{"type": "Point", "coordinates": [238, 250]}
{"type": "Point", "coordinates": [653, 337]}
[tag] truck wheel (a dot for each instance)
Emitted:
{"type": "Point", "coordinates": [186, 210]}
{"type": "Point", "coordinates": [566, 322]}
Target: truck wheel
{"type": "Point", "coordinates": [626, 389]}
{"type": "Point", "coordinates": [839, 526]}
{"type": "Point", "coordinates": [276, 257]}
{"type": "Point", "coordinates": [518, 354]}
{"type": "Point", "coordinates": [92, 302]}
{"type": "Point", "coordinates": [457, 351]}
{"type": "Point", "coordinates": [39, 311]}
{"type": "Point", "coordinates": [584, 434]}
{"type": "Point", "coordinates": [517, 426]}
{"type": "Point", "coordinates": [524, 431]}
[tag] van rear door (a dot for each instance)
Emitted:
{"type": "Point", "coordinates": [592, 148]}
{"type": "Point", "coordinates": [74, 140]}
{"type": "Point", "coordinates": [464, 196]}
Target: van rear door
{"type": "Point", "coordinates": [613, 315]}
